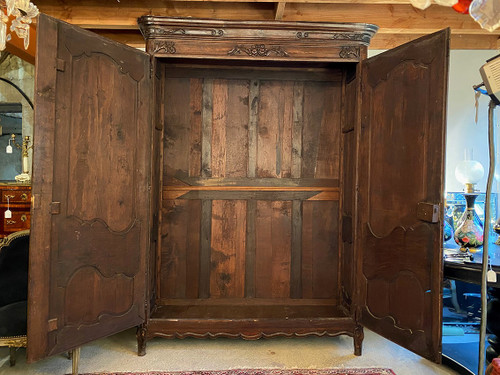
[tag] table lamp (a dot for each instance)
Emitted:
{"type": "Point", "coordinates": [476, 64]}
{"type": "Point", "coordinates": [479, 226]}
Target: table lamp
{"type": "Point", "coordinates": [469, 232]}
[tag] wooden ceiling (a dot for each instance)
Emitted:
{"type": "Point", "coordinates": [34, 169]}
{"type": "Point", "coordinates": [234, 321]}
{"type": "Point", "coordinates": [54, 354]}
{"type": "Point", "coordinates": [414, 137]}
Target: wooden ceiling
{"type": "Point", "coordinates": [399, 21]}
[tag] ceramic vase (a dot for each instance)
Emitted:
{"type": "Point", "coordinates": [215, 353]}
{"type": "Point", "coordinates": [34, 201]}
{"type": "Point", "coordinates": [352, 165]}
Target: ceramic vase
{"type": "Point", "coordinates": [469, 232]}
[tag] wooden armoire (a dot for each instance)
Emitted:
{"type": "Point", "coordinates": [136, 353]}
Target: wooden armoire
{"type": "Point", "coordinates": [240, 179]}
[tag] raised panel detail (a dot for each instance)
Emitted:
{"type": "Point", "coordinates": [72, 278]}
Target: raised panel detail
{"type": "Point", "coordinates": [102, 160]}
{"type": "Point", "coordinates": [107, 296]}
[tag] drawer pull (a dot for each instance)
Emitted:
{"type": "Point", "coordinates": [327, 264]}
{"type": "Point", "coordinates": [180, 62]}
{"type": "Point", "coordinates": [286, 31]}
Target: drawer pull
{"type": "Point", "coordinates": [10, 222]}
{"type": "Point", "coordinates": [8, 196]}
{"type": "Point", "coordinates": [24, 196]}
{"type": "Point", "coordinates": [24, 218]}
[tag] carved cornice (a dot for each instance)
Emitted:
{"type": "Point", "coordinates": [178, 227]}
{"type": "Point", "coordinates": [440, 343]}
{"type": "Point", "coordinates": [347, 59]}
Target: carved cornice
{"type": "Point", "coordinates": [164, 27]}
{"type": "Point", "coordinates": [364, 38]}
{"type": "Point", "coordinates": [258, 50]}
{"type": "Point", "coordinates": [255, 39]}
{"type": "Point", "coordinates": [159, 31]}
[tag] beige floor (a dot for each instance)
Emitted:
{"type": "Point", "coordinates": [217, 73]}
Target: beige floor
{"type": "Point", "coordinates": [118, 353]}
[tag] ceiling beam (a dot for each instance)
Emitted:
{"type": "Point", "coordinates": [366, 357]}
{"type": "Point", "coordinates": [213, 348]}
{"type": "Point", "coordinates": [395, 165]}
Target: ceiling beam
{"type": "Point", "coordinates": [398, 20]}
{"type": "Point", "coordinates": [279, 10]}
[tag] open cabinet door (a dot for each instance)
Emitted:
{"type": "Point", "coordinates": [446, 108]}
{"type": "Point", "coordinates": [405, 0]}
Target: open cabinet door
{"type": "Point", "coordinates": [91, 189]}
{"type": "Point", "coordinates": [401, 185]}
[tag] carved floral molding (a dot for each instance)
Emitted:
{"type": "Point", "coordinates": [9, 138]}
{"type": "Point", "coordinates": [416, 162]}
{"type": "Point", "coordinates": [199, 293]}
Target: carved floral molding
{"type": "Point", "coordinates": [257, 50]}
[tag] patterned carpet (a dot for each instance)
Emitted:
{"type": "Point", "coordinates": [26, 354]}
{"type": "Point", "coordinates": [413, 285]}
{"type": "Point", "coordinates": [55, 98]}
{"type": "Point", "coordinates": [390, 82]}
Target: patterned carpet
{"type": "Point", "coordinates": [350, 371]}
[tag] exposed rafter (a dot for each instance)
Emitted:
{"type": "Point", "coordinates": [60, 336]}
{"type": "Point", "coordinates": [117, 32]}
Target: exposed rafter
{"type": "Point", "coordinates": [398, 20]}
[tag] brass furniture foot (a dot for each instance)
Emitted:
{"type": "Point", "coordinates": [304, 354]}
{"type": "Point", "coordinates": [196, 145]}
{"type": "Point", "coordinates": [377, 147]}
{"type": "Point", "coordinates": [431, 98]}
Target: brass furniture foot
{"type": "Point", "coordinates": [75, 354]}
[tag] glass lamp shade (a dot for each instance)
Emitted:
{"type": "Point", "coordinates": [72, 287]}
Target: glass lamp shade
{"type": "Point", "coordinates": [469, 172]}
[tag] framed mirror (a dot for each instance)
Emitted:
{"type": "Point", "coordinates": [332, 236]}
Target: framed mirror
{"type": "Point", "coordinates": [10, 123]}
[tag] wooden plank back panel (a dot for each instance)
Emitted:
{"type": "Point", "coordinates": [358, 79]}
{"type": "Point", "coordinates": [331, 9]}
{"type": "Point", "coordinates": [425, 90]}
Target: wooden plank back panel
{"type": "Point", "coordinates": [321, 130]}
{"type": "Point", "coordinates": [230, 128]}
{"type": "Point", "coordinates": [274, 129]}
{"type": "Point", "coordinates": [183, 118]}
{"type": "Point", "coordinates": [227, 257]}
{"type": "Point", "coordinates": [180, 248]}
{"type": "Point", "coordinates": [242, 157]}
{"type": "Point", "coordinates": [272, 251]}
{"type": "Point", "coordinates": [320, 249]}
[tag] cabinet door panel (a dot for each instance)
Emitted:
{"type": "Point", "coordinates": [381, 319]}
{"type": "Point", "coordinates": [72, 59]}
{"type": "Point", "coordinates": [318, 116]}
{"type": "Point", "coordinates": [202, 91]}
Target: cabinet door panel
{"type": "Point", "coordinates": [401, 163]}
{"type": "Point", "coordinates": [91, 183]}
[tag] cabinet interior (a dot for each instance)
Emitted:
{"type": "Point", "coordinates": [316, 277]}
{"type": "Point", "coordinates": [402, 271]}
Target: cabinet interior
{"type": "Point", "coordinates": [252, 189]}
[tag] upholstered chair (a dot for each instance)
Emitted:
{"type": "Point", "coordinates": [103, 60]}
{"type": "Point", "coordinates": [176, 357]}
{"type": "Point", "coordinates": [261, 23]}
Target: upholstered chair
{"type": "Point", "coordinates": [14, 291]}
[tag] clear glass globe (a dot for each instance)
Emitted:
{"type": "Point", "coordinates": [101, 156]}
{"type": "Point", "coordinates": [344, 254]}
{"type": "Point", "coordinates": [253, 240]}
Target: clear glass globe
{"type": "Point", "coordinates": [469, 171]}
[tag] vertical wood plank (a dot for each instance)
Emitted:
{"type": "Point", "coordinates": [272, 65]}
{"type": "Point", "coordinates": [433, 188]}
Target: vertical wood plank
{"type": "Point", "coordinates": [307, 250]}
{"type": "Point", "coordinates": [253, 118]}
{"type": "Point", "coordinates": [298, 124]}
{"type": "Point", "coordinates": [219, 123]}
{"type": "Point", "coordinates": [273, 244]}
{"type": "Point", "coordinates": [286, 125]}
{"type": "Point", "coordinates": [320, 148]}
{"type": "Point", "coordinates": [252, 127]}
{"type": "Point", "coordinates": [237, 128]}
{"type": "Point", "coordinates": [227, 260]}
{"type": "Point", "coordinates": [206, 139]}
{"type": "Point", "coordinates": [263, 250]}
{"type": "Point", "coordinates": [267, 129]}
{"type": "Point", "coordinates": [326, 249]}
{"type": "Point", "coordinates": [328, 159]}
{"type": "Point", "coordinates": [274, 128]}
{"type": "Point", "coordinates": [195, 139]}
{"type": "Point", "coordinates": [320, 249]}
{"type": "Point", "coordinates": [250, 249]}
{"type": "Point", "coordinates": [180, 254]}
{"type": "Point", "coordinates": [172, 263]}
{"type": "Point", "coordinates": [296, 171]}
{"type": "Point", "coordinates": [296, 251]}
{"type": "Point", "coordinates": [205, 246]}
{"type": "Point", "coordinates": [313, 116]}
{"type": "Point", "coordinates": [177, 133]}
{"type": "Point", "coordinates": [281, 245]}
{"type": "Point", "coordinates": [192, 248]}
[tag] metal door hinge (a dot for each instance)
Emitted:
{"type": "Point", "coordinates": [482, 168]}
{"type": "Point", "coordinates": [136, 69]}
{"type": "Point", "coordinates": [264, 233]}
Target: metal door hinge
{"type": "Point", "coordinates": [55, 208]}
{"type": "Point", "coordinates": [60, 65]}
{"type": "Point", "coordinates": [428, 212]}
{"type": "Point", "coordinates": [52, 324]}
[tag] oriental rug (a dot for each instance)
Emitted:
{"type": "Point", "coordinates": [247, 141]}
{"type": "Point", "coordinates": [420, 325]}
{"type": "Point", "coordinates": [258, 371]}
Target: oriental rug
{"type": "Point", "coordinates": [344, 371]}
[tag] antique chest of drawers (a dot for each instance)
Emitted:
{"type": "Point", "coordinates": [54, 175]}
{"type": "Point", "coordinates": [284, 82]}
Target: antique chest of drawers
{"type": "Point", "coordinates": [16, 198]}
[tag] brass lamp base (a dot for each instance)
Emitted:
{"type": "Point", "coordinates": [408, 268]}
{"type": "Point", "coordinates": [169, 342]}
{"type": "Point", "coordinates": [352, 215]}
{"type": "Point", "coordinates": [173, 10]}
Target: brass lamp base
{"type": "Point", "coordinates": [469, 188]}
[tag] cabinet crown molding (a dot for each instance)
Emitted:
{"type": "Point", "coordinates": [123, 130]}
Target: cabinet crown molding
{"type": "Point", "coordinates": [293, 40]}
